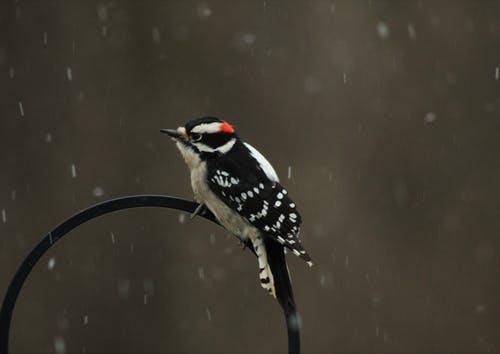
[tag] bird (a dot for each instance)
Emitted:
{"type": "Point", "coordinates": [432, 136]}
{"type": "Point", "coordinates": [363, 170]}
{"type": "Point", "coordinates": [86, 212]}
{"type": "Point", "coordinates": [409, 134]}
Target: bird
{"type": "Point", "coordinates": [235, 182]}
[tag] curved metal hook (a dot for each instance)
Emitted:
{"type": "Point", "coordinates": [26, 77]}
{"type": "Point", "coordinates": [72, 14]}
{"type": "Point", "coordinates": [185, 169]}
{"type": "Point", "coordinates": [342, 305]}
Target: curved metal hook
{"type": "Point", "coordinates": [85, 215]}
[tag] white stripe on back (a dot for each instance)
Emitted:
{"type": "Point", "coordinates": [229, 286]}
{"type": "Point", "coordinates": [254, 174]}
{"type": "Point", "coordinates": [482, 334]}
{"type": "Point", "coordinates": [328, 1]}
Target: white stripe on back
{"type": "Point", "coordinates": [264, 164]}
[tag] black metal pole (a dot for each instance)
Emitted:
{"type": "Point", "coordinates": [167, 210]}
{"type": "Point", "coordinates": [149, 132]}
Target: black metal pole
{"type": "Point", "coordinates": [85, 215]}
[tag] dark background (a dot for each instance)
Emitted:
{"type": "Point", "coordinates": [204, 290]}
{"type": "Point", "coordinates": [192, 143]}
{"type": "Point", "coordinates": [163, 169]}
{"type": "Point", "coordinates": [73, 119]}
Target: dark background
{"type": "Point", "coordinates": [387, 113]}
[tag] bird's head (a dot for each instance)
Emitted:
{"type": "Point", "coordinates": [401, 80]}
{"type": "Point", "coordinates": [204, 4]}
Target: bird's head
{"type": "Point", "coordinates": [204, 135]}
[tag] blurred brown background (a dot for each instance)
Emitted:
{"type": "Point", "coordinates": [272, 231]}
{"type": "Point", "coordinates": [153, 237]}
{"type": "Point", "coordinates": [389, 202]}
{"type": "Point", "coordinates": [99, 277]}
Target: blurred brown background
{"type": "Point", "coordinates": [386, 113]}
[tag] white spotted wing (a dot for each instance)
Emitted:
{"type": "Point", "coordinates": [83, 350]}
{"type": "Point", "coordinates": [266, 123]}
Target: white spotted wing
{"type": "Point", "coordinates": [265, 204]}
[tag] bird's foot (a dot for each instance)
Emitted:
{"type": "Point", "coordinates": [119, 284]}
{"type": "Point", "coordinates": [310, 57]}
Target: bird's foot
{"type": "Point", "coordinates": [200, 209]}
{"type": "Point", "coordinates": [246, 245]}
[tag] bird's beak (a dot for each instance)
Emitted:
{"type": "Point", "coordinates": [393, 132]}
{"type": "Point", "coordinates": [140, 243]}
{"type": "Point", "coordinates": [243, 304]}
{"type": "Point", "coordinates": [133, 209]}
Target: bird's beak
{"type": "Point", "coordinates": [175, 134]}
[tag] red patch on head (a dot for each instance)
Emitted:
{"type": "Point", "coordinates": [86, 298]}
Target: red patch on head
{"type": "Point", "coordinates": [226, 128]}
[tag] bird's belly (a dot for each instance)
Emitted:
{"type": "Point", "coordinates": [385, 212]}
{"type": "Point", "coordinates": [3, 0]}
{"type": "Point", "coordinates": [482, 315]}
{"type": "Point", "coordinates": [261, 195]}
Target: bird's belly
{"type": "Point", "coordinates": [228, 218]}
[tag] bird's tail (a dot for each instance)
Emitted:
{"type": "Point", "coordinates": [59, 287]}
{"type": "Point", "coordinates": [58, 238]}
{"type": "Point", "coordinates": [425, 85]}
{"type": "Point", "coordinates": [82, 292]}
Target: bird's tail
{"type": "Point", "coordinates": [273, 271]}
{"type": "Point", "coordinates": [266, 276]}
{"type": "Point", "coordinates": [283, 289]}
{"type": "Point", "coordinates": [277, 264]}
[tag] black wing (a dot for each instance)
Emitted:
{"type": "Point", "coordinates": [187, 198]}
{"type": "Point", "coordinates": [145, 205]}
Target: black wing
{"type": "Point", "coordinates": [265, 204]}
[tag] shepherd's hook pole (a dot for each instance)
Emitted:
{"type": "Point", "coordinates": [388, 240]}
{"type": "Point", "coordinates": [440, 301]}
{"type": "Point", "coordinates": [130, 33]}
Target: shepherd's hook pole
{"type": "Point", "coordinates": [90, 213]}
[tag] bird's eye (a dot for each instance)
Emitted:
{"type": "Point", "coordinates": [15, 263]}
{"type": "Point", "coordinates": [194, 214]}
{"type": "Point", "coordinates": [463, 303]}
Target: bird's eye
{"type": "Point", "coordinates": [195, 137]}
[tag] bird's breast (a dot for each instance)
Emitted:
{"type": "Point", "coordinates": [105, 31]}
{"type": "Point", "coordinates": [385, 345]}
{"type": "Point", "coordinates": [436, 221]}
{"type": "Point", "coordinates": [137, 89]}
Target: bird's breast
{"type": "Point", "coordinates": [228, 218]}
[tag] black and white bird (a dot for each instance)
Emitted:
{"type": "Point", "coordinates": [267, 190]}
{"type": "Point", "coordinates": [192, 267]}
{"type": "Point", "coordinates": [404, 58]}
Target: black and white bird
{"type": "Point", "coordinates": [241, 188]}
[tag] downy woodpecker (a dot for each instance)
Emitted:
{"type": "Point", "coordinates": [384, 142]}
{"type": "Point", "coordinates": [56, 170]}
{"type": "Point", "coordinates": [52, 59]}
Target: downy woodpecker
{"type": "Point", "coordinates": [241, 188]}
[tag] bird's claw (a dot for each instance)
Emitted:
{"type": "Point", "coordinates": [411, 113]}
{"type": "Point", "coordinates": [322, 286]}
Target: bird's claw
{"type": "Point", "coordinates": [200, 209]}
{"type": "Point", "coordinates": [245, 246]}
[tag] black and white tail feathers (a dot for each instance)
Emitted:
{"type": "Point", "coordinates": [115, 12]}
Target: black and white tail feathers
{"type": "Point", "coordinates": [284, 293]}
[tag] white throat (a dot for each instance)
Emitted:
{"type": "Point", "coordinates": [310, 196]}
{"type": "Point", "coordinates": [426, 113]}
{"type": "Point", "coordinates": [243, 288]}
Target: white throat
{"type": "Point", "coordinates": [190, 157]}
